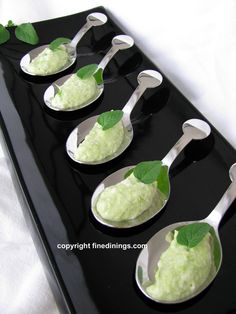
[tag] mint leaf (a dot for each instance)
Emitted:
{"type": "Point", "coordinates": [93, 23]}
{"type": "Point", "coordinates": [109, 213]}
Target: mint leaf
{"type": "Point", "coordinates": [98, 75]}
{"type": "Point", "coordinates": [151, 171]}
{"type": "Point", "coordinates": [4, 34]}
{"type": "Point", "coordinates": [110, 118]}
{"type": "Point", "coordinates": [148, 171]}
{"type": "Point", "coordinates": [59, 41]}
{"type": "Point", "coordinates": [128, 173]}
{"type": "Point", "coordinates": [10, 24]}
{"type": "Point", "coordinates": [192, 234]}
{"type": "Point", "coordinates": [163, 182]}
{"type": "Point", "coordinates": [91, 70]}
{"type": "Point", "coordinates": [27, 33]}
{"type": "Point", "coordinates": [87, 71]}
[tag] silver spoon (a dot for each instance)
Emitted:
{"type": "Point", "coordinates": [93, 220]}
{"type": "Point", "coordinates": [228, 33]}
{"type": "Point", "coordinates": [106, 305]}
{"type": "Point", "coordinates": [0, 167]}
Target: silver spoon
{"type": "Point", "coordinates": [147, 261]}
{"type": "Point", "coordinates": [193, 129]}
{"type": "Point", "coordinates": [93, 19]}
{"type": "Point", "coordinates": [120, 42]}
{"type": "Point", "coordinates": [146, 79]}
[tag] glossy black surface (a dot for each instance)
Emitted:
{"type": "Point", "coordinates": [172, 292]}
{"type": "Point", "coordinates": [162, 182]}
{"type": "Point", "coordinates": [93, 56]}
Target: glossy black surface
{"type": "Point", "coordinates": [59, 191]}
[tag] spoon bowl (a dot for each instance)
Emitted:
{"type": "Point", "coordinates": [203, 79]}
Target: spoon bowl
{"type": "Point", "coordinates": [120, 42]}
{"type": "Point", "coordinates": [77, 136]}
{"type": "Point", "coordinates": [146, 79]}
{"type": "Point", "coordinates": [146, 264]}
{"type": "Point", "coordinates": [192, 129]}
{"type": "Point", "coordinates": [93, 19]}
{"type": "Point", "coordinates": [116, 177]}
{"type": "Point", "coordinates": [25, 61]}
{"type": "Point", "coordinates": [53, 89]}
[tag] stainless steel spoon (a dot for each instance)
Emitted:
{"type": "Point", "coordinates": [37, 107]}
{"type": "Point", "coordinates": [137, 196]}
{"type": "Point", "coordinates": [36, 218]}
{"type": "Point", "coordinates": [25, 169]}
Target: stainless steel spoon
{"type": "Point", "coordinates": [120, 42]}
{"type": "Point", "coordinates": [93, 19]}
{"type": "Point", "coordinates": [146, 265]}
{"type": "Point", "coordinates": [193, 129]}
{"type": "Point", "coordinates": [146, 79]}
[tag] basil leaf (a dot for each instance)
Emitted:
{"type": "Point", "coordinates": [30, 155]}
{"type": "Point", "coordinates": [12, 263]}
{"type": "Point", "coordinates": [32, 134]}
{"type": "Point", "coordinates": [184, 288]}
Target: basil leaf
{"type": "Point", "coordinates": [190, 235]}
{"type": "Point", "coordinates": [163, 182]}
{"type": "Point", "coordinates": [87, 71]}
{"type": "Point", "coordinates": [128, 173]}
{"type": "Point", "coordinates": [27, 33]}
{"type": "Point", "coordinates": [4, 34]}
{"type": "Point", "coordinates": [59, 41]}
{"type": "Point", "coordinates": [110, 118]}
{"type": "Point", "coordinates": [148, 171]}
{"type": "Point", "coordinates": [10, 24]}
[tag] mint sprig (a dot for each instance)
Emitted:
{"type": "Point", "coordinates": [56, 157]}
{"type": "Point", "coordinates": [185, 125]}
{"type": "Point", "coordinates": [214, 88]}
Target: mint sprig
{"type": "Point", "coordinates": [10, 24]}
{"type": "Point", "coordinates": [4, 34]}
{"type": "Point", "coordinates": [152, 171]}
{"type": "Point", "coordinates": [57, 42]}
{"type": "Point", "coordinates": [87, 71]}
{"type": "Point", "coordinates": [110, 118]}
{"type": "Point", "coordinates": [27, 33]}
{"type": "Point", "coordinates": [192, 234]}
{"type": "Point", "coordinates": [148, 171]}
{"type": "Point", "coordinates": [91, 70]}
{"type": "Point", "coordinates": [24, 32]}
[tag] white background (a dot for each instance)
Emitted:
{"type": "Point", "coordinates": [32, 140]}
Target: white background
{"type": "Point", "coordinates": [192, 42]}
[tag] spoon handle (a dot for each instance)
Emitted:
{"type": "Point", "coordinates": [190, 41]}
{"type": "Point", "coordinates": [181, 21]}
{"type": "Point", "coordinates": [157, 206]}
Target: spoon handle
{"type": "Point", "coordinates": [193, 129]}
{"type": "Point", "coordinates": [119, 42]}
{"type": "Point", "coordinates": [176, 150]}
{"type": "Point", "coordinates": [214, 218]}
{"type": "Point", "coordinates": [146, 79]}
{"type": "Point", "coordinates": [138, 92]}
{"type": "Point", "coordinates": [93, 19]}
{"type": "Point", "coordinates": [80, 34]}
{"type": "Point", "coordinates": [107, 58]}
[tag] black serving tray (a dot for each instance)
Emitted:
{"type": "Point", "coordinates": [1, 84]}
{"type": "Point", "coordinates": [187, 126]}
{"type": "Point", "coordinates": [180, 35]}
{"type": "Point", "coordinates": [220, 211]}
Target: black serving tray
{"type": "Point", "coordinates": [58, 191]}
